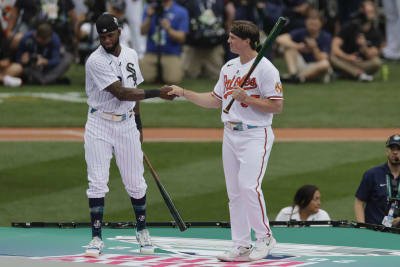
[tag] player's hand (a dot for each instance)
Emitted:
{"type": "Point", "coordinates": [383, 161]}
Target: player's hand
{"type": "Point", "coordinates": [176, 91]}
{"type": "Point", "coordinates": [164, 93]}
{"type": "Point", "coordinates": [239, 94]}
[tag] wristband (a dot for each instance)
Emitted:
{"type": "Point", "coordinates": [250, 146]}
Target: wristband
{"type": "Point", "coordinates": [151, 93]}
{"type": "Point", "coordinates": [138, 122]}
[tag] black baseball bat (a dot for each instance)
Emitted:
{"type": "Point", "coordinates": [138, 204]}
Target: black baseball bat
{"type": "Point", "coordinates": [268, 42]}
{"type": "Point", "coordinates": [167, 199]}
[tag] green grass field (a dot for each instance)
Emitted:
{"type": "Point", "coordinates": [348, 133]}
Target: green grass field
{"type": "Point", "coordinates": [46, 181]}
{"type": "Point", "coordinates": [342, 103]}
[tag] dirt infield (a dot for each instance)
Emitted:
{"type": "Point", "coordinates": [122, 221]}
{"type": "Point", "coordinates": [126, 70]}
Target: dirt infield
{"type": "Point", "coordinates": [198, 135]}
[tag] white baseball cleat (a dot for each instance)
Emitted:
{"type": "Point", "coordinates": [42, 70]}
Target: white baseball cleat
{"type": "Point", "coordinates": [262, 248]}
{"type": "Point", "coordinates": [95, 247]}
{"type": "Point", "coordinates": [236, 254]}
{"type": "Point", "coordinates": [143, 238]}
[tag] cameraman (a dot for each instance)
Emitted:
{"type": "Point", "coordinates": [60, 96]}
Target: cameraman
{"type": "Point", "coordinates": [39, 51]}
{"type": "Point", "coordinates": [377, 185]}
{"type": "Point", "coordinates": [166, 24]}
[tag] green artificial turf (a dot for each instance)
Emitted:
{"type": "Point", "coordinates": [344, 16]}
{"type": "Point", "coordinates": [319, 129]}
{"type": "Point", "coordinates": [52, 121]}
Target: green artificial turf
{"type": "Point", "coordinates": [46, 181]}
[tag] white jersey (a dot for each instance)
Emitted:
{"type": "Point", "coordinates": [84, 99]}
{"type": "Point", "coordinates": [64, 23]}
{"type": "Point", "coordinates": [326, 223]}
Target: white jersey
{"type": "Point", "coordinates": [103, 69]}
{"type": "Point", "coordinates": [286, 215]}
{"type": "Point", "coordinates": [263, 83]}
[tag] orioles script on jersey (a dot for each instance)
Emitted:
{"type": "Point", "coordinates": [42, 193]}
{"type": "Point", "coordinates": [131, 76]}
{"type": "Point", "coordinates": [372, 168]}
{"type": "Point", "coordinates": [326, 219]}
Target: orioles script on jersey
{"type": "Point", "coordinates": [251, 83]}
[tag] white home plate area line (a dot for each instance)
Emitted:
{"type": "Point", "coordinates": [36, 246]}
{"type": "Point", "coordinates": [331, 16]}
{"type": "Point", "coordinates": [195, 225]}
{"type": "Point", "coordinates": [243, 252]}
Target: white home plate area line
{"type": "Point", "coordinates": [202, 134]}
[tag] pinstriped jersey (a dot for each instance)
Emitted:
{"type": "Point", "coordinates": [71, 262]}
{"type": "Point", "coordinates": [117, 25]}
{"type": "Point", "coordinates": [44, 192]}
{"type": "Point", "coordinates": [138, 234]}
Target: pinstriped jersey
{"type": "Point", "coordinates": [264, 82]}
{"type": "Point", "coordinates": [103, 69]}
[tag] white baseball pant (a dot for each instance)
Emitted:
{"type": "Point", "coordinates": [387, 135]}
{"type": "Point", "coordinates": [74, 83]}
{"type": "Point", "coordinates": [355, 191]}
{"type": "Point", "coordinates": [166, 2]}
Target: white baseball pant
{"type": "Point", "coordinates": [102, 139]}
{"type": "Point", "coordinates": [245, 157]}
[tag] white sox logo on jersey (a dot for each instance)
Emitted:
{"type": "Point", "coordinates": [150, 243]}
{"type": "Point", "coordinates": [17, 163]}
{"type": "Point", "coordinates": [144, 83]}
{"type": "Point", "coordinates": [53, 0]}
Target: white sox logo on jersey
{"type": "Point", "coordinates": [131, 69]}
{"type": "Point", "coordinates": [251, 83]}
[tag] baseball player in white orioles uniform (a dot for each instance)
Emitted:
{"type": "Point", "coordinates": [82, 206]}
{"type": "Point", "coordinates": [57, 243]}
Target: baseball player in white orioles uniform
{"type": "Point", "coordinates": [112, 75]}
{"type": "Point", "coordinates": [248, 139]}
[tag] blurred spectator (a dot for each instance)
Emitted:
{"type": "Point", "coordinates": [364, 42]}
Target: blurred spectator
{"type": "Point", "coordinates": [39, 52]}
{"type": "Point", "coordinates": [306, 206]}
{"type": "Point", "coordinates": [392, 11]}
{"type": "Point", "coordinates": [296, 11]}
{"type": "Point", "coordinates": [347, 9]}
{"type": "Point", "coordinates": [379, 183]}
{"type": "Point", "coordinates": [118, 9]}
{"type": "Point", "coordinates": [166, 24]}
{"type": "Point", "coordinates": [355, 51]}
{"type": "Point", "coordinates": [23, 14]}
{"type": "Point", "coordinates": [5, 12]}
{"type": "Point", "coordinates": [134, 14]}
{"type": "Point", "coordinates": [88, 37]}
{"type": "Point", "coordinates": [60, 14]}
{"type": "Point", "coordinates": [251, 10]}
{"type": "Point", "coordinates": [306, 51]}
{"type": "Point", "coordinates": [203, 54]}
{"type": "Point", "coordinates": [9, 71]}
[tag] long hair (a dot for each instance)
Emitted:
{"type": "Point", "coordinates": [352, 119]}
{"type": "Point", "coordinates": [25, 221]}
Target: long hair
{"type": "Point", "coordinates": [247, 29]}
{"type": "Point", "coordinates": [303, 197]}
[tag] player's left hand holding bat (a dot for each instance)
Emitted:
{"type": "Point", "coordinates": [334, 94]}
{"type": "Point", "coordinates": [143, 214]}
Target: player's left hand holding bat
{"type": "Point", "coordinates": [239, 94]}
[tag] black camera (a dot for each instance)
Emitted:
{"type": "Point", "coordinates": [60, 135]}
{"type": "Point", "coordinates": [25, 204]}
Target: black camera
{"type": "Point", "coordinates": [158, 7]}
{"type": "Point", "coordinates": [33, 59]}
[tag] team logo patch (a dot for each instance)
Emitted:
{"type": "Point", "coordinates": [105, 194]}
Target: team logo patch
{"type": "Point", "coordinates": [278, 87]}
{"type": "Point", "coordinates": [131, 69]}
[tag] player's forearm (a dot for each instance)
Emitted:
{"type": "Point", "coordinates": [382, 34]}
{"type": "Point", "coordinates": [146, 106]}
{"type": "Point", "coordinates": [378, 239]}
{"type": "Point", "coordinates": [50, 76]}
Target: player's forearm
{"type": "Point", "coordinates": [205, 100]}
{"type": "Point", "coordinates": [274, 106]}
{"type": "Point", "coordinates": [128, 94]}
{"type": "Point", "coordinates": [359, 210]}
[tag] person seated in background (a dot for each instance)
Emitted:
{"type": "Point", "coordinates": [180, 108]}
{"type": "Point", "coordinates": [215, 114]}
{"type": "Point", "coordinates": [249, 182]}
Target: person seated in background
{"type": "Point", "coordinates": [306, 206]}
{"type": "Point", "coordinates": [39, 52]}
{"type": "Point", "coordinates": [166, 24]}
{"type": "Point", "coordinates": [377, 185]}
{"type": "Point", "coordinates": [306, 51]}
{"type": "Point", "coordinates": [9, 71]}
{"type": "Point", "coordinates": [356, 50]}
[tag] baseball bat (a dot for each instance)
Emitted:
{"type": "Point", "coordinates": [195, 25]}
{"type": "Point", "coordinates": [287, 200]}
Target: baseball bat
{"type": "Point", "coordinates": [167, 199]}
{"type": "Point", "coordinates": [268, 42]}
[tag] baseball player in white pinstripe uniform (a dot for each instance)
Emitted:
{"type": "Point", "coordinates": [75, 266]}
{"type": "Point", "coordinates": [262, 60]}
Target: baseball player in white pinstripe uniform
{"type": "Point", "coordinates": [248, 138]}
{"type": "Point", "coordinates": [112, 75]}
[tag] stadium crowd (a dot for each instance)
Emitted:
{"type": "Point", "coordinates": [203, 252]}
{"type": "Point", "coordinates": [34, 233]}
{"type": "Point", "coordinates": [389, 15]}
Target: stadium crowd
{"type": "Point", "coordinates": [40, 39]}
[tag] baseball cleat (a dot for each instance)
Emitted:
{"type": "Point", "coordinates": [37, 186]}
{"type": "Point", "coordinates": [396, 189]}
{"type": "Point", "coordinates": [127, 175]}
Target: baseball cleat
{"type": "Point", "coordinates": [95, 247]}
{"type": "Point", "coordinates": [262, 248]}
{"type": "Point", "coordinates": [236, 254]}
{"type": "Point", "coordinates": [143, 238]}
